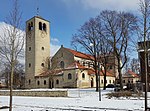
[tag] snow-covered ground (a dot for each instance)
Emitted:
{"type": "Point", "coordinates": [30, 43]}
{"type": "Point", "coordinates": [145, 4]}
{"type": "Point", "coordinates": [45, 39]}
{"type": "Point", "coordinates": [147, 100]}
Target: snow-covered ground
{"type": "Point", "coordinates": [78, 100]}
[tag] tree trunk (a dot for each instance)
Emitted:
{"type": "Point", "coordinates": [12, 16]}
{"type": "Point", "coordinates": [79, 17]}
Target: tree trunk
{"type": "Point", "coordinates": [11, 87]}
{"type": "Point", "coordinates": [104, 79]}
{"type": "Point", "coordinates": [120, 75]}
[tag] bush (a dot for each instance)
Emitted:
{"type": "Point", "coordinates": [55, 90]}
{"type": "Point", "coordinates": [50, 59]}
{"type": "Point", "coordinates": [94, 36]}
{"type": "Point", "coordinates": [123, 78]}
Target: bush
{"type": "Point", "coordinates": [126, 94]}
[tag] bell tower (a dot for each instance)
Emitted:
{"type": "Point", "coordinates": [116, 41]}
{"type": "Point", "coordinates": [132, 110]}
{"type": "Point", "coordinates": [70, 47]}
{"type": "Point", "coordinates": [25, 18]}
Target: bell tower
{"type": "Point", "coordinates": [37, 49]}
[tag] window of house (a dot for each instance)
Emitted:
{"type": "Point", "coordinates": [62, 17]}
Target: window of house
{"type": "Point", "coordinates": [42, 48]}
{"type": "Point", "coordinates": [38, 82]}
{"type": "Point", "coordinates": [42, 64]}
{"type": "Point", "coordinates": [57, 81]}
{"type": "Point", "coordinates": [83, 76]}
{"type": "Point", "coordinates": [102, 81]}
{"type": "Point", "coordinates": [29, 48]}
{"type": "Point", "coordinates": [44, 27]}
{"type": "Point", "coordinates": [89, 64]}
{"type": "Point", "coordinates": [44, 82]}
{"type": "Point", "coordinates": [40, 25]}
{"type": "Point", "coordinates": [110, 67]}
{"type": "Point", "coordinates": [29, 64]}
{"type": "Point", "coordinates": [110, 81]}
{"type": "Point", "coordinates": [69, 76]}
{"type": "Point", "coordinates": [83, 63]}
{"type": "Point", "coordinates": [62, 64]}
{"type": "Point", "coordinates": [124, 81]}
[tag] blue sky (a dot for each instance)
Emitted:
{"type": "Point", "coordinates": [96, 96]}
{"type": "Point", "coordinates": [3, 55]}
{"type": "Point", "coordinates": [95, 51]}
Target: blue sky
{"type": "Point", "coordinates": [65, 16]}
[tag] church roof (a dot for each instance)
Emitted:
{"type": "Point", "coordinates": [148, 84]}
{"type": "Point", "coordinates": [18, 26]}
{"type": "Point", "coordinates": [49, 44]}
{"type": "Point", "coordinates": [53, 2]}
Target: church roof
{"type": "Point", "coordinates": [39, 18]}
{"type": "Point", "coordinates": [130, 74]}
{"type": "Point", "coordinates": [80, 54]}
{"type": "Point", "coordinates": [76, 65]}
{"type": "Point", "coordinates": [92, 72]}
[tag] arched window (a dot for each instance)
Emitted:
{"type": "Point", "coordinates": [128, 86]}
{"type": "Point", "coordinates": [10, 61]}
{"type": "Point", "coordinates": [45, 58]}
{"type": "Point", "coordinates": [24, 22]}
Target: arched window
{"type": "Point", "coordinates": [83, 63]}
{"type": "Point", "coordinates": [44, 27]}
{"type": "Point", "coordinates": [44, 82]}
{"type": "Point", "coordinates": [42, 64]}
{"type": "Point", "coordinates": [42, 48]}
{"type": "Point", "coordinates": [29, 48]}
{"type": "Point", "coordinates": [83, 76]}
{"type": "Point", "coordinates": [29, 81]}
{"type": "Point", "coordinates": [69, 76]}
{"type": "Point", "coordinates": [29, 64]}
{"type": "Point", "coordinates": [40, 26]}
{"type": "Point", "coordinates": [62, 64]}
{"type": "Point", "coordinates": [29, 27]}
{"type": "Point", "coordinates": [57, 81]}
{"type": "Point", "coordinates": [38, 82]}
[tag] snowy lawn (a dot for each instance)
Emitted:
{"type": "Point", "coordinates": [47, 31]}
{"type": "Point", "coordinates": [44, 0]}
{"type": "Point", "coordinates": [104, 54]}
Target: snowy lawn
{"type": "Point", "coordinates": [78, 100]}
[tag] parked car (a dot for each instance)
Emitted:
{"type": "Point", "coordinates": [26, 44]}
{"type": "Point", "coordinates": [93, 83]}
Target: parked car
{"type": "Point", "coordinates": [117, 87]}
{"type": "Point", "coordinates": [110, 86]}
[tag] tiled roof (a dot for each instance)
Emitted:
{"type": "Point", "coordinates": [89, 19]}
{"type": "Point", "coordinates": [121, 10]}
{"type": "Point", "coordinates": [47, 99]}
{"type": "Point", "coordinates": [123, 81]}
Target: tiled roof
{"type": "Point", "coordinates": [50, 72]}
{"type": "Point", "coordinates": [131, 74]}
{"type": "Point", "coordinates": [80, 54]}
{"type": "Point", "coordinates": [92, 71]}
{"type": "Point", "coordinates": [76, 65]}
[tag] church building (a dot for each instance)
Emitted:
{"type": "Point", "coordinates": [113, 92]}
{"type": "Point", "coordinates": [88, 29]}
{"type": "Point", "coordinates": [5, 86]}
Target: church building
{"type": "Point", "coordinates": [69, 68]}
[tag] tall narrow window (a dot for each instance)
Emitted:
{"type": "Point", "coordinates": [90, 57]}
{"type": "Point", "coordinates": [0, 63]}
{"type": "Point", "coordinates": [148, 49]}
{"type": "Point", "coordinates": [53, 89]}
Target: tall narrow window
{"type": "Point", "coordinates": [42, 48]}
{"type": "Point", "coordinates": [29, 64]}
{"type": "Point", "coordinates": [83, 76]}
{"type": "Point", "coordinates": [62, 64]}
{"type": "Point", "coordinates": [29, 81]}
{"type": "Point", "coordinates": [29, 48]}
{"type": "Point", "coordinates": [42, 64]}
{"type": "Point", "coordinates": [57, 81]}
{"type": "Point", "coordinates": [44, 82]}
{"type": "Point", "coordinates": [40, 25]}
{"type": "Point", "coordinates": [44, 27]}
{"type": "Point", "coordinates": [69, 76]}
{"type": "Point", "coordinates": [38, 82]}
{"type": "Point", "coordinates": [83, 63]}
{"type": "Point", "coordinates": [29, 27]}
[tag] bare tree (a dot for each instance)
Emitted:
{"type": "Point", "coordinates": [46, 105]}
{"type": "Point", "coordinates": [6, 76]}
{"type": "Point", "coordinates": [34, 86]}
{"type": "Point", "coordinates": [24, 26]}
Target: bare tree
{"type": "Point", "coordinates": [119, 28]}
{"type": "Point", "coordinates": [88, 38]}
{"type": "Point", "coordinates": [104, 49]}
{"type": "Point", "coordinates": [12, 42]}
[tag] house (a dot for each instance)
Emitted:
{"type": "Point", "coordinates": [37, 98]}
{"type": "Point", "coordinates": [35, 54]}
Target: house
{"type": "Point", "coordinates": [130, 77]}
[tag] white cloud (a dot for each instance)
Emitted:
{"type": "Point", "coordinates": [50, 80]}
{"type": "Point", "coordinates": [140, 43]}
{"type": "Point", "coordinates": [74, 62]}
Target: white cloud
{"type": "Point", "coordinates": [123, 5]}
{"type": "Point", "coordinates": [19, 39]}
{"type": "Point", "coordinates": [53, 49]}
{"type": "Point", "coordinates": [54, 40]}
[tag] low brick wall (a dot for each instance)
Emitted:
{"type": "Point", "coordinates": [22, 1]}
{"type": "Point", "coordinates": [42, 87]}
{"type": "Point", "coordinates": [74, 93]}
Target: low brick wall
{"type": "Point", "coordinates": [36, 93]}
